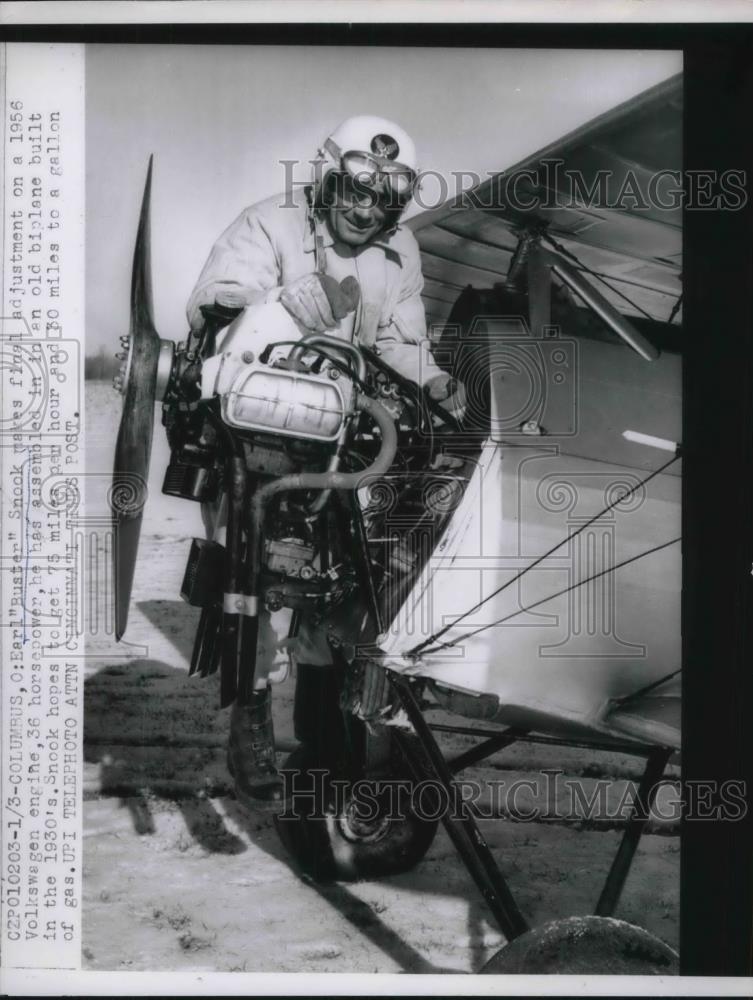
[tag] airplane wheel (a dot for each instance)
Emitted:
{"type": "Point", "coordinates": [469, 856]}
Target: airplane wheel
{"type": "Point", "coordinates": [335, 835]}
{"type": "Point", "coordinates": [586, 946]}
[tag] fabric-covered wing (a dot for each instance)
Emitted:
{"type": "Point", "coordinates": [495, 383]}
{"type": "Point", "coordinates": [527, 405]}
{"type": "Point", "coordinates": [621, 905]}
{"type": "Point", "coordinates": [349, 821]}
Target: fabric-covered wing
{"type": "Point", "coordinates": [599, 192]}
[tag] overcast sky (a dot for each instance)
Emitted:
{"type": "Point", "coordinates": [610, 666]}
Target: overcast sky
{"type": "Point", "coordinates": [219, 119]}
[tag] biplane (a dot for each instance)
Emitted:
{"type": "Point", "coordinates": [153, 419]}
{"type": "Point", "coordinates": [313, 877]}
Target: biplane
{"type": "Point", "coordinates": [516, 564]}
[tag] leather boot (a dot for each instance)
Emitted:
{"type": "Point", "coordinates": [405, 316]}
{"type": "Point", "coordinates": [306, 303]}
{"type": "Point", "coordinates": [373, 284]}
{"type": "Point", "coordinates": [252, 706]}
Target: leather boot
{"type": "Point", "coordinates": [251, 751]}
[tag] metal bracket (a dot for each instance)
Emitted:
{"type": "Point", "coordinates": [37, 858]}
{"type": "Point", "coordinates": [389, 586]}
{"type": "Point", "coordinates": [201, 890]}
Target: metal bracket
{"type": "Point", "coordinates": [240, 604]}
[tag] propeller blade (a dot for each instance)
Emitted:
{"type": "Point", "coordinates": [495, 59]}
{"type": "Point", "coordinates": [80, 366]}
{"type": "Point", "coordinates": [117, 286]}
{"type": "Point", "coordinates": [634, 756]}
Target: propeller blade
{"type": "Point", "coordinates": [142, 310]}
{"type": "Point", "coordinates": [133, 449]}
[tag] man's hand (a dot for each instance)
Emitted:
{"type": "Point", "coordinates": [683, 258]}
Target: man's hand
{"type": "Point", "coordinates": [448, 391]}
{"type": "Point", "coordinates": [318, 302]}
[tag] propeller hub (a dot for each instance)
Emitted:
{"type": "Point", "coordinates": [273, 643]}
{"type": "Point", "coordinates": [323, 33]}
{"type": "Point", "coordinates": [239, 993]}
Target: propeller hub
{"type": "Point", "coordinates": [165, 362]}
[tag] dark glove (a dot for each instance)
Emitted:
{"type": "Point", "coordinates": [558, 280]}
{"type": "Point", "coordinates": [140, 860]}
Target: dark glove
{"type": "Point", "coordinates": [318, 302]}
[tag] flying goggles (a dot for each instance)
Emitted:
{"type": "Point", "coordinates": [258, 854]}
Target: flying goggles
{"type": "Point", "coordinates": [381, 174]}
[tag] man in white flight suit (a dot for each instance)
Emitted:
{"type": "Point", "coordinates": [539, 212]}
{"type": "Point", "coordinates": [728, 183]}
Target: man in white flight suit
{"type": "Point", "coordinates": [287, 249]}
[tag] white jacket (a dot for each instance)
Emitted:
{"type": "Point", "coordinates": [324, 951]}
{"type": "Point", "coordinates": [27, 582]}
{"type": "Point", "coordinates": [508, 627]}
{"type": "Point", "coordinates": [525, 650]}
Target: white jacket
{"type": "Point", "coordinates": [272, 243]}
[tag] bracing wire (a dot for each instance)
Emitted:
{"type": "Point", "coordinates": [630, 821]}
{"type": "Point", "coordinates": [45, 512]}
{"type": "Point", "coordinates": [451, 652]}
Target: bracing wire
{"type": "Point", "coordinates": [627, 698]}
{"type": "Point", "coordinates": [539, 559]}
{"type": "Point", "coordinates": [550, 597]}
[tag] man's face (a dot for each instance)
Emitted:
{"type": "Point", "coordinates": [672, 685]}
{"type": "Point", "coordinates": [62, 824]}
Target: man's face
{"type": "Point", "coordinates": [356, 213]}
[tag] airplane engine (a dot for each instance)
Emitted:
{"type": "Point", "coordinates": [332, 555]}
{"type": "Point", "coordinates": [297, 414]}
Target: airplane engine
{"type": "Point", "coordinates": [238, 426]}
{"type": "Point", "coordinates": [258, 415]}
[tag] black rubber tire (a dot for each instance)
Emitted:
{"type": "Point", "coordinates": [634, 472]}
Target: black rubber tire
{"type": "Point", "coordinates": [582, 946]}
{"type": "Point", "coordinates": [318, 831]}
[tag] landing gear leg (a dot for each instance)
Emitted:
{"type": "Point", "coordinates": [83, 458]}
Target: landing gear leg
{"type": "Point", "coordinates": [457, 819]}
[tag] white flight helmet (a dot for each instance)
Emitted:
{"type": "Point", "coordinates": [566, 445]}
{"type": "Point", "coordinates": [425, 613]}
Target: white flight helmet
{"type": "Point", "coordinates": [371, 149]}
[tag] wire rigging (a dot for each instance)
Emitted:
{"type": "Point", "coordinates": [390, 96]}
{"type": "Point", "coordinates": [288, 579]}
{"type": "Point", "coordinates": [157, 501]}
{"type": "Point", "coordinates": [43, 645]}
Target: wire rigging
{"type": "Point", "coordinates": [422, 646]}
{"type": "Point", "coordinates": [639, 692]}
{"type": "Point", "coordinates": [551, 597]}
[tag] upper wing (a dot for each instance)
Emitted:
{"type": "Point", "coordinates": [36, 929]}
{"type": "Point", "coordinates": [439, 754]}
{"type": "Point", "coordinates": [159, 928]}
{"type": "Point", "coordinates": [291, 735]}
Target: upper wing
{"type": "Point", "coordinates": [608, 193]}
